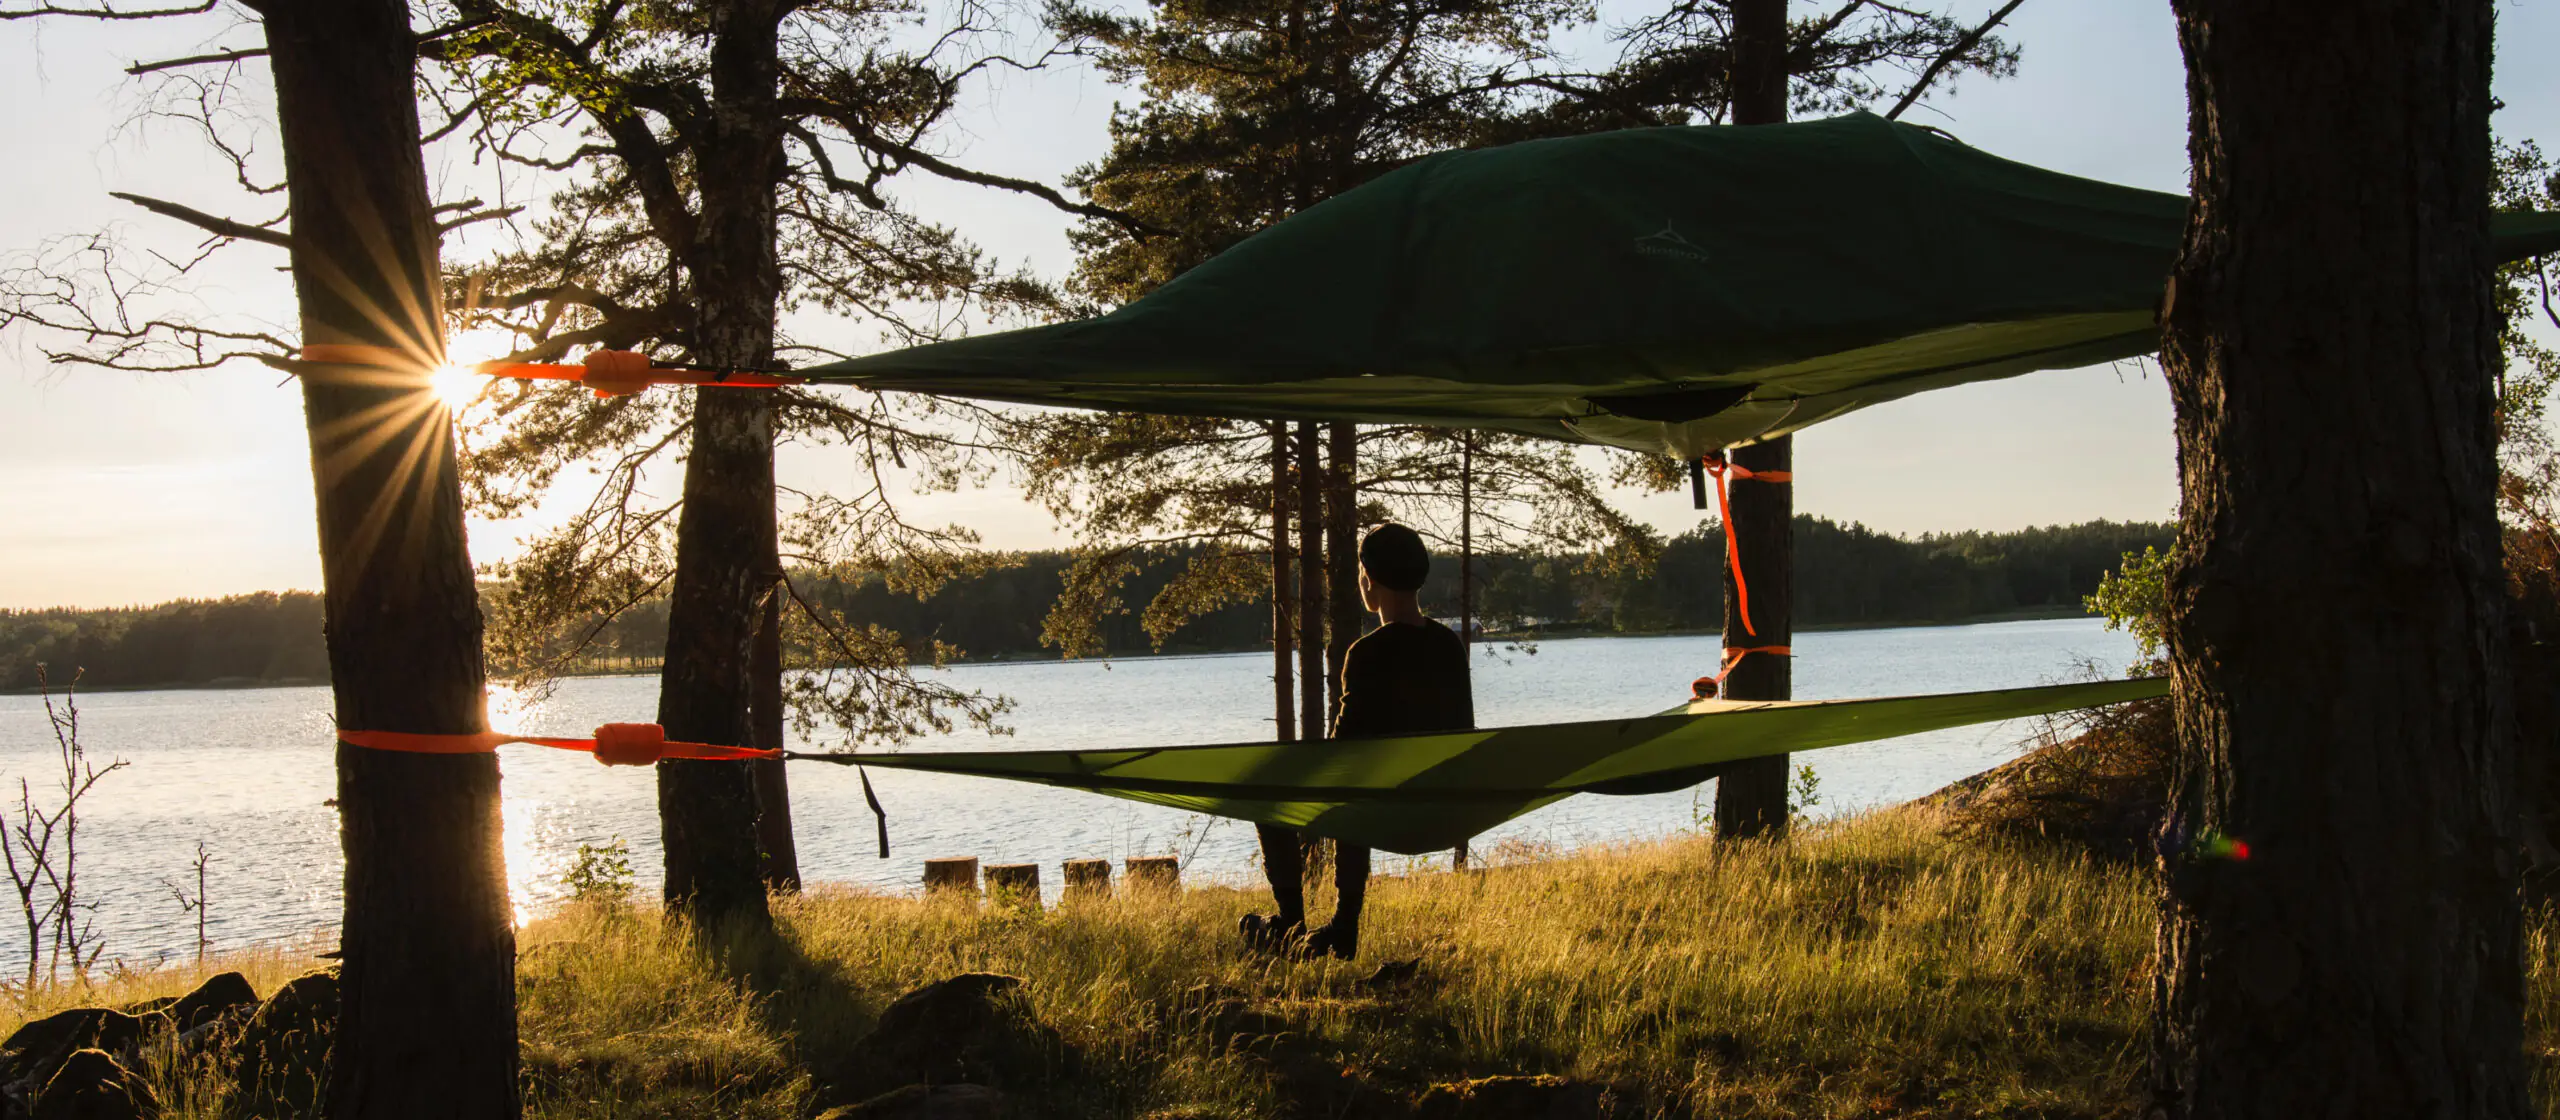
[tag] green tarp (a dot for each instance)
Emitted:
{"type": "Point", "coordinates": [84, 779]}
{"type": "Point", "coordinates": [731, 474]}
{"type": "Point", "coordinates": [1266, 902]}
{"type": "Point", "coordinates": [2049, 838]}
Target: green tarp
{"type": "Point", "coordinates": [1422, 793]}
{"type": "Point", "coordinates": [1664, 289]}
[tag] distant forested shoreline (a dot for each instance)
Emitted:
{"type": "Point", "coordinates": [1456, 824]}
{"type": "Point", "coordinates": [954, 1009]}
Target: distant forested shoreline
{"type": "Point", "coordinates": [1846, 575]}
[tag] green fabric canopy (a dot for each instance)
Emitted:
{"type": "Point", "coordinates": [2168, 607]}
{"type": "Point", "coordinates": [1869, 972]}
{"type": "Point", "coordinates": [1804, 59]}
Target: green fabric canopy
{"type": "Point", "coordinates": [1422, 793]}
{"type": "Point", "coordinates": [1663, 289]}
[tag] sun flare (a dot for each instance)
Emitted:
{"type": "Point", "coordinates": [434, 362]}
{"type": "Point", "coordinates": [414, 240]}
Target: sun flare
{"type": "Point", "coordinates": [457, 385]}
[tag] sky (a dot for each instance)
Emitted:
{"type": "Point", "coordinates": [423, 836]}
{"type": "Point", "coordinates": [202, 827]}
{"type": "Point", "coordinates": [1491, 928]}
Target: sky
{"type": "Point", "coordinates": [118, 488]}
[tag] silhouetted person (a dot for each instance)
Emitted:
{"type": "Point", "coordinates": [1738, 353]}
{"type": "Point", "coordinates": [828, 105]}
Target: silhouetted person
{"type": "Point", "coordinates": [1408, 676]}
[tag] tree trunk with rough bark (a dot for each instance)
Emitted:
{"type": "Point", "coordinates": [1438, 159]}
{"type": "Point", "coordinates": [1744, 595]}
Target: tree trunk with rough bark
{"type": "Point", "coordinates": [1311, 571]}
{"type": "Point", "coordinates": [1284, 621]}
{"type": "Point", "coordinates": [1345, 617]}
{"type": "Point", "coordinates": [781, 851]}
{"type": "Point", "coordinates": [426, 1023]}
{"type": "Point", "coordinates": [2340, 934]}
{"type": "Point", "coordinates": [1751, 797]}
{"type": "Point", "coordinates": [725, 564]}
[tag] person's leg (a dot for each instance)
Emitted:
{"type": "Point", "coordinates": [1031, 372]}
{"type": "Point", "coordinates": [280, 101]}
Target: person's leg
{"type": "Point", "coordinates": [1284, 862]}
{"type": "Point", "coordinates": [1341, 936]}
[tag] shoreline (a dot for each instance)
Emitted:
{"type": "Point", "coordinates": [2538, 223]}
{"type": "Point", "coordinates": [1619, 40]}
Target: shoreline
{"type": "Point", "coordinates": [232, 684]}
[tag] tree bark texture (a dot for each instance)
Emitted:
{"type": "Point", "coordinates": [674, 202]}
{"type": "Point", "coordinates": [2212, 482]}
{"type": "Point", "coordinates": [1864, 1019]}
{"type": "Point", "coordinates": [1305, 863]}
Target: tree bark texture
{"type": "Point", "coordinates": [1344, 615]}
{"type": "Point", "coordinates": [781, 851]}
{"type": "Point", "coordinates": [725, 564]}
{"type": "Point", "coordinates": [2340, 934]}
{"type": "Point", "coordinates": [1311, 600]}
{"type": "Point", "coordinates": [1284, 621]}
{"type": "Point", "coordinates": [1751, 797]}
{"type": "Point", "coordinates": [427, 1024]}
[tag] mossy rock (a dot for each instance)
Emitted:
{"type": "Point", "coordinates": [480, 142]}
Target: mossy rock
{"type": "Point", "coordinates": [92, 1085]}
{"type": "Point", "coordinates": [282, 1055]}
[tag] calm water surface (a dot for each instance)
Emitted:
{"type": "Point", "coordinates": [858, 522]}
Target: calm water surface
{"type": "Point", "coordinates": [247, 772]}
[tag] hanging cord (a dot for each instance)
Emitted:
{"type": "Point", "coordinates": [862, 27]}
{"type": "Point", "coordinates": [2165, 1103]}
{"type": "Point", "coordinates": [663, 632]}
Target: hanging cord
{"type": "Point", "coordinates": [614, 744]}
{"type": "Point", "coordinates": [878, 814]}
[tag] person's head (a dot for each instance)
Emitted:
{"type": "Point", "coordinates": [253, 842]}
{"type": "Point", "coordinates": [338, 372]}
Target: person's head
{"type": "Point", "coordinates": [1393, 565]}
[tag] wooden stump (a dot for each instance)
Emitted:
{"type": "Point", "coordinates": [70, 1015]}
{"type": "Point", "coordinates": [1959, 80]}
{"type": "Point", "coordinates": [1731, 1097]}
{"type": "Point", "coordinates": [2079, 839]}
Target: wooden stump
{"type": "Point", "coordinates": [1154, 874]}
{"type": "Point", "coordinates": [1014, 884]}
{"type": "Point", "coordinates": [952, 875]}
{"type": "Point", "coordinates": [1088, 880]}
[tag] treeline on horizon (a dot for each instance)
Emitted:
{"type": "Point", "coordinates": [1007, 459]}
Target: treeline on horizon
{"type": "Point", "coordinates": [1846, 575]}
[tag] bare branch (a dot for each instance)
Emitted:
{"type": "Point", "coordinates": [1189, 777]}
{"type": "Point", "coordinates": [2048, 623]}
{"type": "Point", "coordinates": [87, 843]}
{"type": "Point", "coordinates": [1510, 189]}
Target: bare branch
{"type": "Point", "coordinates": [482, 216]}
{"type": "Point", "coordinates": [105, 11]}
{"type": "Point", "coordinates": [865, 137]}
{"type": "Point", "coordinates": [141, 68]}
{"type": "Point", "coordinates": [219, 227]}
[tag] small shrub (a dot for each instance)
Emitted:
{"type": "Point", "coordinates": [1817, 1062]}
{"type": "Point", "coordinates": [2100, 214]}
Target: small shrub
{"type": "Point", "coordinates": [601, 873]}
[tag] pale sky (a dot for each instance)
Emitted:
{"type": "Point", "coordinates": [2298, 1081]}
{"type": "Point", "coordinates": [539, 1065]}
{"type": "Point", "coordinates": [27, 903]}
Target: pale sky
{"type": "Point", "coordinates": [117, 488]}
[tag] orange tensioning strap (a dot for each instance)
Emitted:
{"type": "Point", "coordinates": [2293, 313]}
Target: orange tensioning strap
{"type": "Point", "coordinates": [614, 744]}
{"type": "Point", "coordinates": [613, 373]}
{"type": "Point", "coordinates": [1717, 465]}
{"type": "Point", "coordinates": [1705, 688]}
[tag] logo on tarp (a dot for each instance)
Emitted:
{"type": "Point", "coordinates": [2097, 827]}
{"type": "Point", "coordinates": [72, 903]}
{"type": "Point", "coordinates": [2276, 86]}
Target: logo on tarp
{"type": "Point", "coordinates": [1669, 243]}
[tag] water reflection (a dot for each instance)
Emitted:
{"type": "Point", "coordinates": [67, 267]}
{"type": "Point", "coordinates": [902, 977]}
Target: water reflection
{"type": "Point", "coordinates": [531, 864]}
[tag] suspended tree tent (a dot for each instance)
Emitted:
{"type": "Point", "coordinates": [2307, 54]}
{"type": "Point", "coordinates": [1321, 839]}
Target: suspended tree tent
{"type": "Point", "coordinates": [1670, 290]}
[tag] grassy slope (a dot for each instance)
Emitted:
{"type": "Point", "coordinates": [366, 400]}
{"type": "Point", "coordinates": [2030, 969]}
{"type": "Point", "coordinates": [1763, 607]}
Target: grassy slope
{"type": "Point", "coordinates": [1872, 968]}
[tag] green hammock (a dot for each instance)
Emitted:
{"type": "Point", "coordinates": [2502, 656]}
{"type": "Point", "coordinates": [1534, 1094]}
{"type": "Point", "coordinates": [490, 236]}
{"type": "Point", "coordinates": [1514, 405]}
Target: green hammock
{"type": "Point", "coordinates": [1422, 793]}
{"type": "Point", "coordinates": [1661, 289]}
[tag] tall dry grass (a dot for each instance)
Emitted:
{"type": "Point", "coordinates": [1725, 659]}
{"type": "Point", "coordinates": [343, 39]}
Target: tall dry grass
{"type": "Point", "coordinates": [1870, 967]}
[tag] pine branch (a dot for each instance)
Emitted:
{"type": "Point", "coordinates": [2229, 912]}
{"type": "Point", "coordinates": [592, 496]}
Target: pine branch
{"type": "Point", "coordinates": [219, 227]}
{"type": "Point", "coordinates": [1953, 52]}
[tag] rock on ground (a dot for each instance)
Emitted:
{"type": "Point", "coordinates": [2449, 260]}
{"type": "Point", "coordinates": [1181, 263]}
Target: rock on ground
{"type": "Point", "coordinates": [218, 996]}
{"type": "Point", "coordinates": [973, 1028]}
{"type": "Point", "coordinates": [92, 1085]}
{"type": "Point", "coordinates": [283, 1051]}
{"type": "Point", "coordinates": [31, 1056]}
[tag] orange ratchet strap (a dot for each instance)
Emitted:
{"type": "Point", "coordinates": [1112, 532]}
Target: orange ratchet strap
{"type": "Point", "coordinates": [613, 373]}
{"type": "Point", "coordinates": [614, 744]}
{"type": "Point", "coordinates": [1708, 688]}
{"type": "Point", "coordinates": [1715, 464]}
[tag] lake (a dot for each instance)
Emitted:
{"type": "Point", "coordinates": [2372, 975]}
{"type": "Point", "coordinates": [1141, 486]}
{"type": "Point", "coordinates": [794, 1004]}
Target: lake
{"type": "Point", "coordinates": [248, 772]}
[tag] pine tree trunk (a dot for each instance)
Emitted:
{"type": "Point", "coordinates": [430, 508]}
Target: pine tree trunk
{"type": "Point", "coordinates": [725, 540]}
{"type": "Point", "coordinates": [1751, 797]}
{"type": "Point", "coordinates": [1345, 617]}
{"type": "Point", "coordinates": [2340, 934]}
{"type": "Point", "coordinates": [427, 1023]}
{"type": "Point", "coordinates": [781, 851]}
{"type": "Point", "coordinates": [1311, 600]}
{"type": "Point", "coordinates": [1284, 620]}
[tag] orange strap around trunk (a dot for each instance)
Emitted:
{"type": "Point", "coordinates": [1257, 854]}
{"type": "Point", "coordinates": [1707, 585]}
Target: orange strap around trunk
{"type": "Point", "coordinates": [1708, 688]}
{"type": "Point", "coordinates": [613, 373]}
{"type": "Point", "coordinates": [614, 744]}
{"type": "Point", "coordinates": [1717, 465]}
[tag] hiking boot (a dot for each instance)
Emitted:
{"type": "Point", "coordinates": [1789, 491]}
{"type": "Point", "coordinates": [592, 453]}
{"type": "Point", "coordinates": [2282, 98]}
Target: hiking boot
{"type": "Point", "coordinates": [1341, 939]}
{"type": "Point", "coordinates": [1272, 934]}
